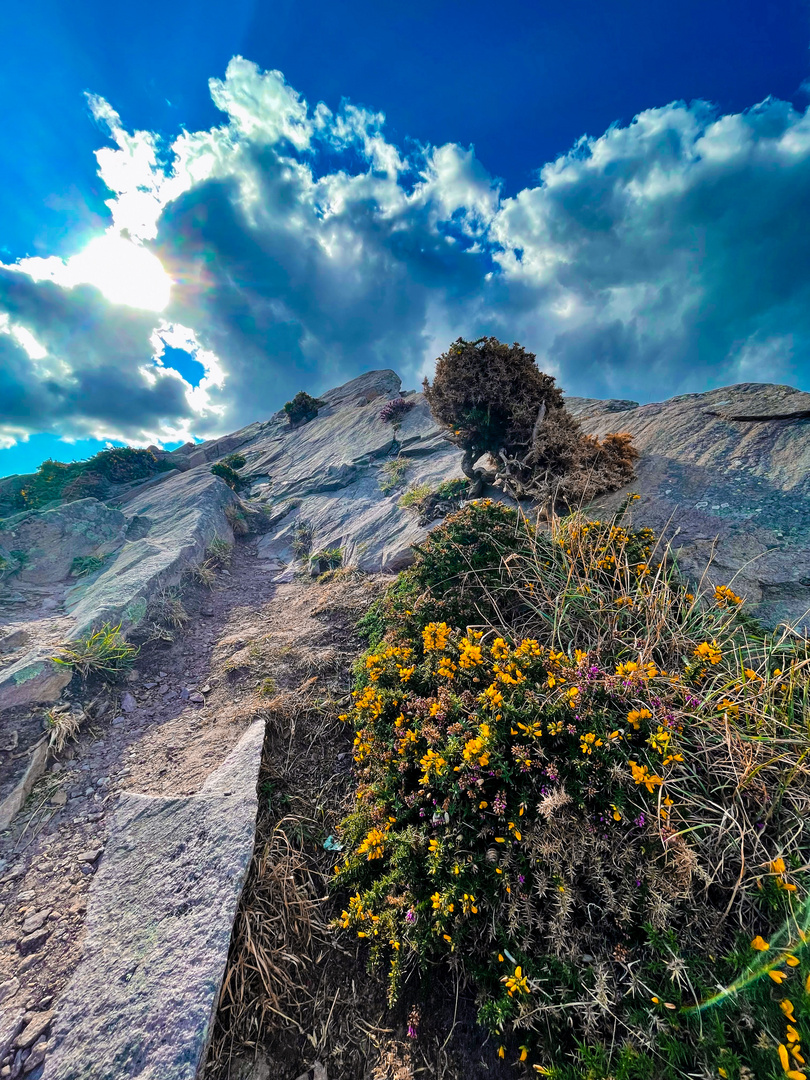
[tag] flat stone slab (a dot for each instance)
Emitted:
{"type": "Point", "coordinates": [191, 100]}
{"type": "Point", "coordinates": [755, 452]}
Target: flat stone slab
{"type": "Point", "coordinates": [158, 930]}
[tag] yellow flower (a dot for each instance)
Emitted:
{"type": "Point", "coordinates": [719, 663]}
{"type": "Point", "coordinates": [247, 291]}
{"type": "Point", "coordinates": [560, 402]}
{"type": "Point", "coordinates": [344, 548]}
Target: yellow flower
{"type": "Point", "coordinates": [524, 1053]}
{"type": "Point", "coordinates": [635, 716]}
{"type": "Point", "coordinates": [434, 636]}
{"type": "Point", "coordinates": [373, 846]}
{"type": "Point", "coordinates": [517, 983]}
{"type": "Point", "coordinates": [431, 762]}
{"type": "Point", "coordinates": [760, 944]}
{"type": "Point", "coordinates": [724, 597]}
{"type": "Point", "coordinates": [792, 1034]}
{"type": "Point", "coordinates": [501, 1051]}
{"type": "Point", "coordinates": [642, 775]}
{"type": "Point", "coordinates": [787, 1008]}
{"type": "Point", "coordinates": [710, 651]}
{"type": "Point", "coordinates": [406, 672]}
{"type": "Point", "coordinates": [778, 976]}
{"type": "Point", "coordinates": [500, 650]}
{"type": "Point", "coordinates": [447, 668]}
{"type": "Point", "coordinates": [588, 742]}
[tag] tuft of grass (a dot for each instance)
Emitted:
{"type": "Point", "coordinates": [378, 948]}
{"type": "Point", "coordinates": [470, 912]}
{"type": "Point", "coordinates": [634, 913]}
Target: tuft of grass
{"type": "Point", "coordinates": [393, 473]}
{"type": "Point", "coordinates": [583, 785]}
{"type": "Point", "coordinates": [237, 520]}
{"type": "Point", "coordinates": [415, 497]}
{"type": "Point", "coordinates": [303, 535]}
{"type": "Point", "coordinates": [83, 565]}
{"type": "Point", "coordinates": [103, 654]}
{"type": "Point", "coordinates": [327, 559]}
{"type": "Point", "coordinates": [62, 724]}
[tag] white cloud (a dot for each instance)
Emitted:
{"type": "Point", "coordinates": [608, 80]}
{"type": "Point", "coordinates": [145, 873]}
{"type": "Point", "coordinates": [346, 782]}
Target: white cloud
{"type": "Point", "coordinates": [303, 246]}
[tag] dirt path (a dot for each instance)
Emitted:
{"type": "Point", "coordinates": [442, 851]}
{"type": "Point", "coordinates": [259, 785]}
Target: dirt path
{"type": "Point", "coordinates": [162, 732]}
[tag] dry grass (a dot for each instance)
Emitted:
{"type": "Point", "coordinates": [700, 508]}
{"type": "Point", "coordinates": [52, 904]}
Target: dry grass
{"type": "Point", "coordinates": [293, 993]}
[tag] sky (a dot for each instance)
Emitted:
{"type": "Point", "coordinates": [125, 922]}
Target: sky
{"type": "Point", "coordinates": [205, 207]}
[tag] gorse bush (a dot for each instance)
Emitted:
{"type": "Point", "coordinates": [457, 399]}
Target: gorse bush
{"type": "Point", "coordinates": [302, 408]}
{"type": "Point", "coordinates": [586, 789]}
{"type": "Point", "coordinates": [55, 480]}
{"type": "Point", "coordinates": [494, 400]}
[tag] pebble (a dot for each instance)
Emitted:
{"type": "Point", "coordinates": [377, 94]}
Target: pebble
{"type": "Point", "coordinates": [35, 921]}
{"type": "Point", "coordinates": [37, 1026]}
{"type": "Point", "coordinates": [36, 1057]}
{"type": "Point", "coordinates": [89, 856]}
{"type": "Point", "coordinates": [31, 942]}
{"type": "Point", "coordinates": [128, 703]}
{"type": "Point", "coordinates": [8, 989]}
{"type": "Point", "coordinates": [119, 720]}
{"type": "Point", "coordinates": [197, 699]}
{"type": "Point", "coordinates": [27, 963]}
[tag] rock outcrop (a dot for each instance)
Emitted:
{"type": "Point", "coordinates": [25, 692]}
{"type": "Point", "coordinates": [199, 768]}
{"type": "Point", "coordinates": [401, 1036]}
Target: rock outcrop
{"type": "Point", "coordinates": [726, 475]}
{"type": "Point", "coordinates": [726, 472]}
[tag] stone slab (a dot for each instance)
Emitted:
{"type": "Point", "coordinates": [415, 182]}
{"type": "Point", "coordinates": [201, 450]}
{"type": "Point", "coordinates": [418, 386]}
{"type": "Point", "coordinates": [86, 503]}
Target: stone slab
{"type": "Point", "coordinates": [158, 930]}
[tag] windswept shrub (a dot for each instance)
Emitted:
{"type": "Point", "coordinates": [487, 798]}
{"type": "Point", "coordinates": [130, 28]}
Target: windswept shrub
{"type": "Point", "coordinates": [493, 400]}
{"type": "Point", "coordinates": [587, 788]}
{"type": "Point", "coordinates": [302, 408]}
{"type": "Point", "coordinates": [103, 654]}
{"type": "Point", "coordinates": [236, 461]}
{"type": "Point", "coordinates": [394, 410]}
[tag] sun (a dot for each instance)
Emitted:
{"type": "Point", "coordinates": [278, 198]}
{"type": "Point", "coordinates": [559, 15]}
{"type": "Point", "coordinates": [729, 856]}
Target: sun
{"type": "Point", "coordinates": [124, 272]}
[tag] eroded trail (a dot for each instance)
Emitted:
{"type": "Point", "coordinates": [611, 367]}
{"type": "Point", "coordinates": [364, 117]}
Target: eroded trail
{"type": "Point", "coordinates": [162, 732]}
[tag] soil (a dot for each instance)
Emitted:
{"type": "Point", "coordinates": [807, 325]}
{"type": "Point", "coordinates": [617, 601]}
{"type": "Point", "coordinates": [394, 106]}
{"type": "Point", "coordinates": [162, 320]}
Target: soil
{"type": "Point", "coordinates": [297, 995]}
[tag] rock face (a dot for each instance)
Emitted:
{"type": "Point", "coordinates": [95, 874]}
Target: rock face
{"type": "Point", "coordinates": [727, 475]}
{"type": "Point", "coordinates": [158, 930]}
{"type": "Point", "coordinates": [728, 469]}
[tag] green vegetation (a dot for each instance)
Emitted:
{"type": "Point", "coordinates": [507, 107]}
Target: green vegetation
{"type": "Point", "coordinates": [104, 654]}
{"type": "Point", "coordinates": [229, 475]}
{"type": "Point", "coordinates": [493, 400]}
{"type": "Point", "coordinates": [428, 504]}
{"type": "Point", "coordinates": [585, 789]}
{"type": "Point", "coordinates": [326, 559]}
{"type": "Point", "coordinates": [303, 535]}
{"type": "Point", "coordinates": [414, 497]}
{"type": "Point", "coordinates": [302, 408]}
{"type": "Point", "coordinates": [55, 480]}
{"type": "Point", "coordinates": [236, 519]}
{"type": "Point", "coordinates": [83, 565]}
{"type": "Point", "coordinates": [17, 560]}
{"type": "Point", "coordinates": [235, 461]}
{"type": "Point", "coordinates": [393, 473]}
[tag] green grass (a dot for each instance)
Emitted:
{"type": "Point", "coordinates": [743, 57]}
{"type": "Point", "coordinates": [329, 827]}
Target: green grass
{"type": "Point", "coordinates": [103, 654]}
{"type": "Point", "coordinates": [393, 473]}
{"type": "Point", "coordinates": [83, 565]}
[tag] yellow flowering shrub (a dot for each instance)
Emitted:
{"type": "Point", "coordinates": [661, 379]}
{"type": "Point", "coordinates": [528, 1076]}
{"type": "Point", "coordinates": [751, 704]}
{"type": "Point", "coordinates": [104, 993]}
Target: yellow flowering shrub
{"type": "Point", "coordinates": [597, 808]}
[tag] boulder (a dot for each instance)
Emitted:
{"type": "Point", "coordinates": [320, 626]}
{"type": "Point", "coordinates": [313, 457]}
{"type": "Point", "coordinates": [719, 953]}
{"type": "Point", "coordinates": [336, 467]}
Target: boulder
{"type": "Point", "coordinates": [158, 929]}
{"type": "Point", "coordinates": [52, 539]}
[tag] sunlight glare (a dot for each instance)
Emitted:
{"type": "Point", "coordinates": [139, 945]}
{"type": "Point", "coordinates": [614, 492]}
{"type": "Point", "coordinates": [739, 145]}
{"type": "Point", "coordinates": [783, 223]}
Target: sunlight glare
{"type": "Point", "coordinates": [125, 272]}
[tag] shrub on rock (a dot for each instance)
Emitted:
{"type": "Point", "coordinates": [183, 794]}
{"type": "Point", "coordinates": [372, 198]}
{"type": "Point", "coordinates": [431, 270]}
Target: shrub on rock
{"type": "Point", "coordinates": [494, 400]}
{"type": "Point", "coordinates": [302, 408]}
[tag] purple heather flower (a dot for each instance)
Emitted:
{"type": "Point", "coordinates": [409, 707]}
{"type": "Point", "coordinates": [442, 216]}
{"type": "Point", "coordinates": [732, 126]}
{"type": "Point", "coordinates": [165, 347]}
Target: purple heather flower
{"type": "Point", "coordinates": [411, 1031]}
{"type": "Point", "coordinates": [410, 915]}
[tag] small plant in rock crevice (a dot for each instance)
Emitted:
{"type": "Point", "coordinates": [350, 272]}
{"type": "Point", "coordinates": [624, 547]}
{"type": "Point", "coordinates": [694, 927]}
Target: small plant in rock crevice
{"type": "Point", "coordinates": [395, 410]}
{"type": "Point", "coordinates": [229, 475]}
{"type": "Point", "coordinates": [103, 654]}
{"type": "Point", "coordinates": [393, 474]}
{"type": "Point", "coordinates": [83, 565]}
{"type": "Point", "coordinates": [303, 535]}
{"type": "Point", "coordinates": [302, 408]}
{"type": "Point", "coordinates": [585, 788]}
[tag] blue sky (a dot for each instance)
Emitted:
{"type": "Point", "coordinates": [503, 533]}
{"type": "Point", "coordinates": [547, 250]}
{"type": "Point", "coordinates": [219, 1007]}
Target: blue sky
{"type": "Point", "coordinates": [622, 187]}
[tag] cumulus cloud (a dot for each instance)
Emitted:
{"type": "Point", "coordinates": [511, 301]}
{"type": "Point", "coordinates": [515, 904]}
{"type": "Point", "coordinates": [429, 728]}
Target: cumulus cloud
{"type": "Point", "coordinates": [303, 246]}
